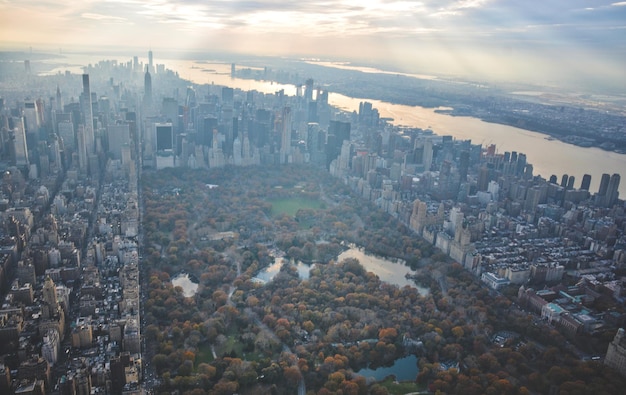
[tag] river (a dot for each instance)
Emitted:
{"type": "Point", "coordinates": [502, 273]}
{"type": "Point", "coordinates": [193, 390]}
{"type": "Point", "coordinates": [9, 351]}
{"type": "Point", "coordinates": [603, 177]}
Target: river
{"type": "Point", "coordinates": [547, 156]}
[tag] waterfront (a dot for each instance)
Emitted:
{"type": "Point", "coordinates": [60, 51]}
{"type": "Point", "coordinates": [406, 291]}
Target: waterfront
{"type": "Point", "coordinates": [547, 156]}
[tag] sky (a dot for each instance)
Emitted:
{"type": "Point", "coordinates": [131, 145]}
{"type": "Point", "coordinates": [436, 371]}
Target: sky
{"type": "Point", "coordinates": [522, 40]}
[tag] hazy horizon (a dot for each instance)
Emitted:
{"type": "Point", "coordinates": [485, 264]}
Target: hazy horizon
{"type": "Point", "coordinates": [567, 42]}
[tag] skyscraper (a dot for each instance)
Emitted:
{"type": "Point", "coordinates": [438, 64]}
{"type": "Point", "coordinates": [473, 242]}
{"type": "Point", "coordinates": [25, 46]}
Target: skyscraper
{"type": "Point", "coordinates": [586, 182]}
{"type": "Point", "coordinates": [228, 94]}
{"type": "Point", "coordinates": [164, 136]}
{"type": "Point", "coordinates": [150, 64]}
{"type": "Point", "coordinates": [20, 146]}
{"type": "Point", "coordinates": [308, 90]}
{"type": "Point", "coordinates": [85, 101]}
{"type": "Point", "coordinates": [612, 192]}
{"type": "Point", "coordinates": [285, 141]}
{"type": "Point", "coordinates": [604, 184]}
{"type": "Point", "coordinates": [59, 100]}
{"type": "Point", "coordinates": [31, 116]}
{"type": "Point", "coordinates": [66, 132]}
{"type": "Point", "coordinates": [616, 352]}
{"type": "Point", "coordinates": [147, 86]}
{"type": "Point", "coordinates": [601, 197]}
{"type": "Point", "coordinates": [50, 296]}
{"type": "Point", "coordinates": [464, 165]}
{"type": "Point", "coordinates": [337, 132]}
{"type": "Point", "coordinates": [81, 147]}
{"type": "Point", "coordinates": [118, 135]}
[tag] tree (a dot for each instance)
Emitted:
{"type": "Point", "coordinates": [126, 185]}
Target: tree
{"type": "Point", "coordinates": [160, 362]}
{"type": "Point", "coordinates": [387, 335]}
{"type": "Point", "coordinates": [207, 370]}
{"type": "Point", "coordinates": [458, 332]}
{"type": "Point", "coordinates": [292, 376]}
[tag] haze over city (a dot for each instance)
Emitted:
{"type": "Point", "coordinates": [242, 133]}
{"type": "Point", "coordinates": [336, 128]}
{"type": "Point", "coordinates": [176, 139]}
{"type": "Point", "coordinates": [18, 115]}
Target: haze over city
{"type": "Point", "coordinates": [576, 43]}
{"type": "Point", "coordinates": [272, 197]}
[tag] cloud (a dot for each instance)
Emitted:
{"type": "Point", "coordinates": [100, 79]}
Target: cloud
{"type": "Point", "coordinates": [470, 32]}
{"type": "Point", "coordinates": [105, 18]}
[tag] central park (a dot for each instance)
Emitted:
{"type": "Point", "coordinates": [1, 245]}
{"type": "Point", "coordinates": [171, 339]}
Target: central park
{"type": "Point", "coordinates": [327, 332]}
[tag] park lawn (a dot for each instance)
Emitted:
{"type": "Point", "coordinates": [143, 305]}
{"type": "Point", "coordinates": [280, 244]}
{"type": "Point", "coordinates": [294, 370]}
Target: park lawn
{"type": "Point", "coordinates": [405, 387]}
{"type": "Point", "coordinates": [290, 206]}
{"type": "Point", "coordinates": [235, 347]}
{"type": "Point", "coordinates": [204, 354]}
{"type": "Point", "coordinates": [232, 345]}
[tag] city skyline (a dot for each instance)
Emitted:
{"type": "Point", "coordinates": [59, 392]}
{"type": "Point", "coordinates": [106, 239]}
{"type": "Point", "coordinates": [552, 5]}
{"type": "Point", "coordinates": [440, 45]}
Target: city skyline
{"type": "Point", "coordinates": [469, 38]}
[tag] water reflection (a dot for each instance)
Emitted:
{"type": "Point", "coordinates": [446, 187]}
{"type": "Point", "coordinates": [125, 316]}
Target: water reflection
{"type": "Point", "coordinates": [189, 287]}
{"type": "Point", "coordinates": [266, 275]}
{"type": "Point", "coordinates": [403, 369]}
{"type": "Point", "coordinates": [392, 272]}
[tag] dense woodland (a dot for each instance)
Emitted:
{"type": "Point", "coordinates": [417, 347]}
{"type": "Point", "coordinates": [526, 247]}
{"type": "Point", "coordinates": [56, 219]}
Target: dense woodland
{"type": "Point", "coordinates": [236, 335]}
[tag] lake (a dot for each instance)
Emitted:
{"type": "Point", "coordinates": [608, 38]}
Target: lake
{"type": "Point", "coordinates": [392, 272]}
{"type": "Point", "coordinates": [404, 369]}
{"type": "Point", "coordinates": [266, 275]}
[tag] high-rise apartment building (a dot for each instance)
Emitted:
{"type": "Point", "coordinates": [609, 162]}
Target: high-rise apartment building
{"type": "Point", "coordinates": [612, 193]}
{"type": "Point", "coordinates": [586, 183]}
{"type": "Point", "coordinates": [616, 353]}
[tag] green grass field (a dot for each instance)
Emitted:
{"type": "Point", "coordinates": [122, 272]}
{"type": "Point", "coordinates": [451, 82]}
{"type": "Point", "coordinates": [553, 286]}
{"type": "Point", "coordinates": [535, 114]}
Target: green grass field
{"type": "Point", "coordinates": [401, 388]}
{"type": "Point", "coordinates": [290, 206]}
{"type": "Point", "coordinates": [204, 354]}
